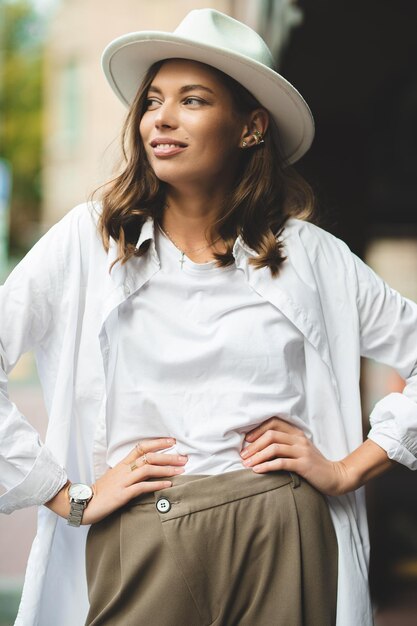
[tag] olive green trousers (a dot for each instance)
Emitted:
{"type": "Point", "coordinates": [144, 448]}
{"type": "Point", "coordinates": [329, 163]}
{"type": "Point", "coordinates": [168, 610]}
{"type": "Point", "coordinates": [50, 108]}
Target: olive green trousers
{"type": "Point", "coordinates": [236, 549]}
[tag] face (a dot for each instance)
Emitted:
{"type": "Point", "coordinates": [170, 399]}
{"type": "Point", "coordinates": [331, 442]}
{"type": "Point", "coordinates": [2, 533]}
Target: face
{"type": "Point", "coordinates": [190, 130]}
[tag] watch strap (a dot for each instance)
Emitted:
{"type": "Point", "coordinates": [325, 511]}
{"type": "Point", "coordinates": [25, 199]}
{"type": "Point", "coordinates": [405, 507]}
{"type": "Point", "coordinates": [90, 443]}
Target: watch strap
{"type": "Point", "coordinates": [76, 513]}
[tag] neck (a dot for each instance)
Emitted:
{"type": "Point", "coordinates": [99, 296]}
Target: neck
{"type": "Point", "coordinates": [189, 217]}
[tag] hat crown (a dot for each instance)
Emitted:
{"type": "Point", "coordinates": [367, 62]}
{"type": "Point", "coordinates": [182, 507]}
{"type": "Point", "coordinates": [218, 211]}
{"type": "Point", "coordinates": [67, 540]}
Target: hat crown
{"type": "Point", "coordinates": [208, 26]}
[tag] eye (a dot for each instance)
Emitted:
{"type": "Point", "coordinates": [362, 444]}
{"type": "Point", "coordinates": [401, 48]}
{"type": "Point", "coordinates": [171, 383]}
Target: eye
{"type": "Point", "coordinates": [194, 100]}
{"type": "Point", "coordinates": [152, 103]}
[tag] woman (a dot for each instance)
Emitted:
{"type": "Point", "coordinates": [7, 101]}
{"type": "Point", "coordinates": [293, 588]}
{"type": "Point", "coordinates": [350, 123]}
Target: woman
{"type": "Point", "coordinates": [201, 367]}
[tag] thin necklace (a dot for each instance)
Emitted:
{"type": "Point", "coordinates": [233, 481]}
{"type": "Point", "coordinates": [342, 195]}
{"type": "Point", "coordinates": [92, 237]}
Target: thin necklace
{"type": "Point", "coordinates": [184, 250]}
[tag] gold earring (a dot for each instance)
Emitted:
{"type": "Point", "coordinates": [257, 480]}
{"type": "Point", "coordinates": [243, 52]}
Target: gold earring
{"type": "Point", "coordinates": [258, 137]}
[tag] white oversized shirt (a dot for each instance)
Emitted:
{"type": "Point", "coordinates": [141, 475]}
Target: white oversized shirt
{"type": "Point", "coordinates": [63, 302]}
{"type": "Point", "coordinates": [203, 358]}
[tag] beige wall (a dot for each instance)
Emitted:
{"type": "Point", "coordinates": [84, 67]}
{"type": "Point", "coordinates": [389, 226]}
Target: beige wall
{"type": "Point", "coordinates": [82, 115]}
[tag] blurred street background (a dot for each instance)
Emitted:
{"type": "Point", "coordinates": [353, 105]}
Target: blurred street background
{"type": "Point", "coordinates": [355, 64]}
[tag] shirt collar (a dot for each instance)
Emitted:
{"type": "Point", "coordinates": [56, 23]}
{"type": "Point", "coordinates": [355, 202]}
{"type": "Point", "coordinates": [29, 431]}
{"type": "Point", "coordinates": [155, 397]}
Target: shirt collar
{"type": "Point", "coordinates": [148, 232]}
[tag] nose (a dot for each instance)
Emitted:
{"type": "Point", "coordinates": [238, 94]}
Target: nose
{"type": "Point", "coordinates": [166, 116]}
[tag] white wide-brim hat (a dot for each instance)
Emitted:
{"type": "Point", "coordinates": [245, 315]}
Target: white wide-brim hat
{"type": "Point", "coordinates": [216, 39]}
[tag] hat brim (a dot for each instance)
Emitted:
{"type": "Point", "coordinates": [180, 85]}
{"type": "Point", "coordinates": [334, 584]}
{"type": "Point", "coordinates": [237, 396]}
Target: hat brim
{"type": "Point", "coordinates": [126, 60]}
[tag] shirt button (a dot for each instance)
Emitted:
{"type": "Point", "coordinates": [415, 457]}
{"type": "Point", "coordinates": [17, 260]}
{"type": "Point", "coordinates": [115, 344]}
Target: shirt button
{"type": "Point", "coordinates": [163, 505]}
{"type": "Point", "coordinates": [127, 291]}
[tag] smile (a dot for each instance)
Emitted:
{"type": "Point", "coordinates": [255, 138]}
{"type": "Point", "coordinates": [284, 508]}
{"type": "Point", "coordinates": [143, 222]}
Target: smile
{"type": "Point", "coordinates": [167, 147]}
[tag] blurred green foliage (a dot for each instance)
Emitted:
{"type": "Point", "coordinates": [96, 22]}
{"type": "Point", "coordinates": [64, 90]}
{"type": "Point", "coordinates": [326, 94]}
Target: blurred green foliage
{"type": "Point", "coordinates": [21, 32]}
{"type": "Point", "coordinates": [9, 605]}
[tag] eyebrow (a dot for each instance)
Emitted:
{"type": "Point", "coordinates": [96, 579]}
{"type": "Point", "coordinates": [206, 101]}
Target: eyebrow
{"type": "Point", "coordinates": [183, 89]}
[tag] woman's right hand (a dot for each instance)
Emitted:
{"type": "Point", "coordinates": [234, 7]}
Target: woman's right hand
{"type": "Point", "coordinates": [120, 484]}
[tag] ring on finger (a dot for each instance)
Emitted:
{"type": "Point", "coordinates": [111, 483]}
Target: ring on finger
{"type": "Point", "coordinates": [133, 466]}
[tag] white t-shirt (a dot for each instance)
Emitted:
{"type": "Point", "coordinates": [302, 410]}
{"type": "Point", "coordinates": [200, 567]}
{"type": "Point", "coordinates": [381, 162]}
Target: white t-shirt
{"type": "Point", "coordinates": [212, 360]}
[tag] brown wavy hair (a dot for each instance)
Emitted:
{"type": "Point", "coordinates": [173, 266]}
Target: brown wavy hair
{"type": "Point", "coordinates": [265, 193]}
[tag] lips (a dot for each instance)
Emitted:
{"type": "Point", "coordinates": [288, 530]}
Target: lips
{"type": "Point", "coordinates": [167, 146]}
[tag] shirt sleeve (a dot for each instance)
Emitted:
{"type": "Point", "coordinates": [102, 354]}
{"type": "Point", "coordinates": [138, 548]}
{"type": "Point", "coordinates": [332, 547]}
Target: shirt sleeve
{"type": "Point", "coordinates": [388, 334]}
{"type": "Point", "coordinates": [28, 312]}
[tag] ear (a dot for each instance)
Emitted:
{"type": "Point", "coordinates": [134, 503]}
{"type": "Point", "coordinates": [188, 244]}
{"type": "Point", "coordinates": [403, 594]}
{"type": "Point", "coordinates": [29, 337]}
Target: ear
{"type": "Point", "coordinates": [258, 120]}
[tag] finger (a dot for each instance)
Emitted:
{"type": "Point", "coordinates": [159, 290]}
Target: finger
{"type": "Point", "coordinates": [273, 423]}
{"type": "Point", "coordinates": [154, 445]}
{"type": "Point", "coordinates": [270, 424]}
{"type": "Point", "coordinates": [149, 445]}
{"type": "Point", "coordinates": [164, 459]}
{"type": "Point", "coordinates": [265, 440]}
{"type": "Point", "coordinates": [147, 487]}
{"type": "Point", "coordinates": [289, 465]}
{"type": "Point", "coordinates": [272, 452]}
{"type": "Point", "coordinates": [146, 471]}
{"type": "Point", "coordinates": [157, 459]}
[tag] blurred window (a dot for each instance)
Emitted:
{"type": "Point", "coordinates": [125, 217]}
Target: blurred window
{"type": "Point", "coordinates": [70, 114]}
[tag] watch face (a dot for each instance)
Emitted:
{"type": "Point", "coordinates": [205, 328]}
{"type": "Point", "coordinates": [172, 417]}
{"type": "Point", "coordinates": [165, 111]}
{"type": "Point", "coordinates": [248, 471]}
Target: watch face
{"type": "Point", "coordinates": [78, 491]}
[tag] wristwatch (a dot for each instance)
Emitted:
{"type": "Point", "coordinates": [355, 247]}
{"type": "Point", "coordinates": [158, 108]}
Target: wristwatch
{"type": "Point", "coordinates": [79, 496]}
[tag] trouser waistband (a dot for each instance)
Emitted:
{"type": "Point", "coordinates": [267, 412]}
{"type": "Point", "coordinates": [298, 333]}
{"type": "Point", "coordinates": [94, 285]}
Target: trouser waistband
{"type": "Point", "coordinates": [191, 493]}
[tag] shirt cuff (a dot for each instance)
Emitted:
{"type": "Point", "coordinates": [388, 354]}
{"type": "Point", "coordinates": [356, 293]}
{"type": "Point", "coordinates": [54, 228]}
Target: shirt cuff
{"type": "Point", "coordinates": [394, 428]}
{"type": "Point", "coordinates": [40, 485]}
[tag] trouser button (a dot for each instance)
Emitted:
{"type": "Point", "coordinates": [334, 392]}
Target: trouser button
{"type": "Point", "coordinates": [163, 505]}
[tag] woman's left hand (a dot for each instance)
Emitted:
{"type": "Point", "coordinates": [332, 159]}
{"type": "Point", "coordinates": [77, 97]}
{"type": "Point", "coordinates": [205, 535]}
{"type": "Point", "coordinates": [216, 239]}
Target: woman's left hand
{"type": "Point", "coordinates": [278, 445]}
